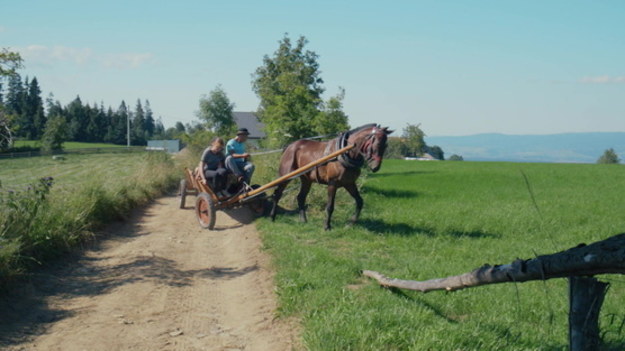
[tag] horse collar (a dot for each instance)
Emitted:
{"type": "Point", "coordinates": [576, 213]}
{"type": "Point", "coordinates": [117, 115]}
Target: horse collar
{"type": "Point", "coordinates": [345, 159]}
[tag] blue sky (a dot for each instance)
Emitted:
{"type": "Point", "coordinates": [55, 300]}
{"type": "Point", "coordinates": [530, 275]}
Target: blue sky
{"type": "Point", "coordinates": [455, 67]}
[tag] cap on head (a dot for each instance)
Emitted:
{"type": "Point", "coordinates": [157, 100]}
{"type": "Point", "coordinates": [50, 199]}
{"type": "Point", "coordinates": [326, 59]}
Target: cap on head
{"type": "Point", "coordinates": [243, 131]}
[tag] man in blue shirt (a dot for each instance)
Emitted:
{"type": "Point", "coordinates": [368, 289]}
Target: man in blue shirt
{"type": "Point", "coordinates": [237, 159]}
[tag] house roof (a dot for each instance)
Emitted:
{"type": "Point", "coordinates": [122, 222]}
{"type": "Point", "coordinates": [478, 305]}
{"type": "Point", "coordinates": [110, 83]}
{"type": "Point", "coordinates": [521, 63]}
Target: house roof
{"type": "Point", "coordinates": [250, 121]}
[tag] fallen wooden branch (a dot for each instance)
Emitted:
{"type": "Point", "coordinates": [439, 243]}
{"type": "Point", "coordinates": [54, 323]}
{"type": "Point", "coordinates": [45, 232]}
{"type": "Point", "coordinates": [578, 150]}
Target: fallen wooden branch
{"type": "Point", "coordinates": [605, 256]}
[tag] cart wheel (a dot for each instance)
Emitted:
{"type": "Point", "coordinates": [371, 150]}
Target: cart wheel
{"type": "Point", "coordinates": [205, 211]}
{"type": "Point", "coordinates": [183, 192]}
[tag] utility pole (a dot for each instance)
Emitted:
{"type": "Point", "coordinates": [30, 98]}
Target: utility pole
{"type": "Point", "coordinates": [128, 129]}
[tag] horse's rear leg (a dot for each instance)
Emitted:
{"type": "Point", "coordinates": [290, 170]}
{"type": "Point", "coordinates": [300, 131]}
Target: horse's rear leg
{"type": "Point", "coordinates": [276, 198]}
{"type": "Point", "coordinates": [352, 189]}
{"type": "Point", "coordinates": [330, 205]}
{"type": "Point", "coordinates": [301, 198]}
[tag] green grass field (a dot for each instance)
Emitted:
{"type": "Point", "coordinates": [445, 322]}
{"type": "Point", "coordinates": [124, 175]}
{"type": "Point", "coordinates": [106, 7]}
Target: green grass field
{"type": "Point", "coordinates": [39, 222]}
{"type": "Point", "coordinates": [425, 220]}
{"type": "Point", "coordinates": [71, 172]}
{"type": "Point", "coordinates": [68, 145]}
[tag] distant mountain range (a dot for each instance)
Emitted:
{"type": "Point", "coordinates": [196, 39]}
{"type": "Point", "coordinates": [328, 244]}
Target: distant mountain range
{"type": "Point", "coordinates": [568, 147]}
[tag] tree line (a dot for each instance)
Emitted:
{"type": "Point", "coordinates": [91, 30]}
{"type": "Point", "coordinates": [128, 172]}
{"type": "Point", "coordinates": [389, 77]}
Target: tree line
{"type": "Point", "coordinates": [288, 84]}
{"type": "Point", "coordinates": [23, 116]}
{"type": "Point", "coordinates": [28, 119]}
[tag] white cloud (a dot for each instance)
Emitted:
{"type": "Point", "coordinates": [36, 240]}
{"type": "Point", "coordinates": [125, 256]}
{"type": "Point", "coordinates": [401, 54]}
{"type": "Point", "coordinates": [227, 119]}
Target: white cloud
{"type": "Point", "coordinates": [602, 80]}
{"type": "Point", "coordinates": [40, 54]}
{"type": "Point", "coordinates": [126, 60]}
{"type": "Point", "coordinates": [47, 55]}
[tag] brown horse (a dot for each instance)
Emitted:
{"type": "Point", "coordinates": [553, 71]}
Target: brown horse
{"type": "Point", "coordinates": [370, 143]}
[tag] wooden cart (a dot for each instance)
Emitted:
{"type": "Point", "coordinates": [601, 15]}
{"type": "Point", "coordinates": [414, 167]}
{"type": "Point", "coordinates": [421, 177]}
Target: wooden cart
{"type": "Point", "coordinates": [207, 202]}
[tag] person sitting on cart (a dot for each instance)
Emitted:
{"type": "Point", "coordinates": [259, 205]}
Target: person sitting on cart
{"type": "Point", "coordinates": [238, 160]}
{"type": "Point", "coordinates": [212, 165]}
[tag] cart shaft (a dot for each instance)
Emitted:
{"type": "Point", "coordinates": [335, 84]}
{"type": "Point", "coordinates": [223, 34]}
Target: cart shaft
{"type": "Point", "coordinates": [292, 174]}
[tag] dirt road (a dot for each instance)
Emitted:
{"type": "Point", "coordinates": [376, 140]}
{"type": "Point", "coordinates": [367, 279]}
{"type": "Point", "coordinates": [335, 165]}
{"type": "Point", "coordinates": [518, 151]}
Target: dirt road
{"type": "Point", "coordinates": [158, 282]}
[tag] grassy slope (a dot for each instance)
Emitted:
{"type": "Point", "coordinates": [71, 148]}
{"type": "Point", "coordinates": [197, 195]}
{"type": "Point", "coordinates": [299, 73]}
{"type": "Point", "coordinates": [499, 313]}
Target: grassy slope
{"type": "Point", "coordinates": [68, 173]}
{"type": "Point", "coordinates": [88, 191]}
{"type": "Point", "coordinates": [428, 220]}
{"type": "Point", "coordinates": [68, 145]}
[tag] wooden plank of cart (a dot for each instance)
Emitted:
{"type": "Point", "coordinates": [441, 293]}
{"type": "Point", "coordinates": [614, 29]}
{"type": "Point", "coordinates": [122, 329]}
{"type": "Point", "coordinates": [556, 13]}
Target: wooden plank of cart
{"type": "Point", "coordinates": [207, 202]}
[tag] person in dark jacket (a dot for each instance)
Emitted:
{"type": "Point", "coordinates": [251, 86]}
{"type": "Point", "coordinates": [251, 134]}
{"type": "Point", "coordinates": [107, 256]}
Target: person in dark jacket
{"type": "Point", "coordinates": [212, 164]}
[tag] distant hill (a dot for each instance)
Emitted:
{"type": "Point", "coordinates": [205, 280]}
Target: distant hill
{"type": "Point", "coordinates": [568, 147]}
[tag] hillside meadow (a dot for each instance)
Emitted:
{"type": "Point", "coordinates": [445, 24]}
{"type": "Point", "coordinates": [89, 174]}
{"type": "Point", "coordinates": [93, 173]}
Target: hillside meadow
{"type": "Point", "coordinates": [68, 145]}
{"type": "Point", "coordinates": [48, 207]}
{"type": "Point", "coordinates": [425, 220]}
{"type": "Point", "coordinates": [421, 220]}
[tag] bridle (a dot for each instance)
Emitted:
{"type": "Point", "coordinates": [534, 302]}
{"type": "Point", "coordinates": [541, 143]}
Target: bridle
{"type": "Point", "coordinates": [365, 152]}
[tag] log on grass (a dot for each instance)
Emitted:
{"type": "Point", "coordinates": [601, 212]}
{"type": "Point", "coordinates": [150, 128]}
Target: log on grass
{"type": "Point", "coordinates": [601, 257]}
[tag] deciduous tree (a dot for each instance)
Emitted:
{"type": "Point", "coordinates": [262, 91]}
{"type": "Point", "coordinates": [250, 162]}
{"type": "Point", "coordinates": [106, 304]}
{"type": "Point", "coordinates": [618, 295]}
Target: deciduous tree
{"type": "Point", "coordinates": [331, 119]}
{"type": "Point", "coordinates": [54, 135]}
{"type": "Point", "coordinates": [609, 156]}
{"type": "Point", "coordinates": [216, 112]}
{"type": "Point", "coordinates": [413, 138]}
{"type": "Point", "coordinates": [289, 86]}
{"type": "Point", "coordinates": [10, 62]}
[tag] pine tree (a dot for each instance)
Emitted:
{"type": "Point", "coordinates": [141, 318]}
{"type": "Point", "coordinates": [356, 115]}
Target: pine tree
{"type": "Point", "coordinates": [54, 107]}
{"type": "Point", "coordinates": [14, 102]}
{"type": "Point", "coordinates": [91, 129]}
{"type": "Point", "coordinates": [76, 120]}
{"type": "Point", "coordinates": [121, 120]}
{"type": "Point", "coordinates": [33, 111]}
{"type": "Point", "coordinates": [149, 121]}
{"type": "Point", "coordinates": [138, 131]}
{"type": "Point", "coordinates": [159, 129]}
{"type": "Point", "coordinates": [110, 122]}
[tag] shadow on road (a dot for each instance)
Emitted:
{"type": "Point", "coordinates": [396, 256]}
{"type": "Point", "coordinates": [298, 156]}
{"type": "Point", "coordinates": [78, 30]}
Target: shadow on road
{"type": "Point", "coordinates": [25, 308]}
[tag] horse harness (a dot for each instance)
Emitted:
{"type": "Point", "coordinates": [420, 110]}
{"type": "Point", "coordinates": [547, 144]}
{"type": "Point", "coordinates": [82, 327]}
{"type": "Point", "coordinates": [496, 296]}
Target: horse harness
{"type": "Point", "coordinates": [364, 153]}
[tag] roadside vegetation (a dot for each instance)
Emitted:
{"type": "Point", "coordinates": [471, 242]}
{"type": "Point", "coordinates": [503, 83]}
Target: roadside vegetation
{"type": "Point", "coordinates": [48, 207]}
{"type": "Point", "coordinates": [425, 220]}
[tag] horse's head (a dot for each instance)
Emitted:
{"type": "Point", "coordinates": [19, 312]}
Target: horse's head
{"type": "Point", "coordinates": [374, 145]}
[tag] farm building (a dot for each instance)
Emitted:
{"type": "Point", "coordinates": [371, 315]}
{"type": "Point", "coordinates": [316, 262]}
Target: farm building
{"type": "Point", "coordinates": [250, 121]}
{"type": "Point", "coordinates": [424, 157]}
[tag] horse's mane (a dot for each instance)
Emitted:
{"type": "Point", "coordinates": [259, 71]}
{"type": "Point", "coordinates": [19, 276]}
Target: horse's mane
{"type": "Point", "coordinates": [358, 129]}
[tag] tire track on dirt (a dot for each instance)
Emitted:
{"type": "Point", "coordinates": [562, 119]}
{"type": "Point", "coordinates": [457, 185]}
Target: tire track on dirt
{"type": "Point", "coordinates": [158, 282]}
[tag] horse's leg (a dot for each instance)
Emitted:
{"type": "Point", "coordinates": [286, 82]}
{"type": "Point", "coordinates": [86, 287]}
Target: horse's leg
{"type": "Point", "coordinates": [301, 198]}
{"type": "Point", "coordinates": [330, 205]}
{"type": "Point", "coordinates": [276, 197]}
{"type": "Point", "coordinates": [352, 189]}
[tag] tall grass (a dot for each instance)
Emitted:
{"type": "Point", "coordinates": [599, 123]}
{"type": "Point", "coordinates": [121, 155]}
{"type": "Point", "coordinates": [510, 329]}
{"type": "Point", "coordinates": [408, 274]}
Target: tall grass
{"type": "Point", "coordinates": [428, 220]}
{"type": "Point", "coordinates": [56, 213]}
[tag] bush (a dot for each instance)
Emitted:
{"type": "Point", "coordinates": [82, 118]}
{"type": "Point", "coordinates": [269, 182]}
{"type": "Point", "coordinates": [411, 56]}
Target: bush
{"type": "Point", "coordinates": [455, 157]}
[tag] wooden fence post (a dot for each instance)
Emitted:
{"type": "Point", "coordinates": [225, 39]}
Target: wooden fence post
{"type": "Point", "coordinates": [586, 296]}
